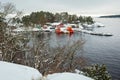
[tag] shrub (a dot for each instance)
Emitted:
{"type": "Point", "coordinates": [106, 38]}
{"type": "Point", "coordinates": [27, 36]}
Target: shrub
{"type": "Point", "coordinates": [97, 72]}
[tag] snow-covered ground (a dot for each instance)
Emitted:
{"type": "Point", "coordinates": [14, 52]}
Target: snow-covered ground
{"type": "Point", "coordinates": [67, 76]}
{"type": "Point", "coordinates": [10, 71]}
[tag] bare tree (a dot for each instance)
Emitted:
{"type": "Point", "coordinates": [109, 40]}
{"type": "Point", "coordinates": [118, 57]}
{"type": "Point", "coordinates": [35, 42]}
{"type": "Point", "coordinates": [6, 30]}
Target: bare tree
{"type": "Point", "coordinates": [8, 8]}
{"type": "Point", "coordinates": [9, 44]}
{"type": "Point", "coordinates": [49, 59]}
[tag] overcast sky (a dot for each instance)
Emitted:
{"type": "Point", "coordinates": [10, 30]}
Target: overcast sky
{"type": "Point", "coordinates": [84, 7]}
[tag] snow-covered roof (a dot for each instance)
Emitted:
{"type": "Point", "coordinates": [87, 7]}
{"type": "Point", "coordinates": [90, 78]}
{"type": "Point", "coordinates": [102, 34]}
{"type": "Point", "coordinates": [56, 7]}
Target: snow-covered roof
{"type": "Point", "coordinates": [73, 24]}
{"type": "Point", "coordinates": [56, 23]}
{"type": "Point", "coordinates": [67, 76]}
{"type": "Point", "coordinates": [11, 71]}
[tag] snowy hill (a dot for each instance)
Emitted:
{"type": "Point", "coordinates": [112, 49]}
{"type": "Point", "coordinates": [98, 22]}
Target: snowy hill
{"type": "Point", "coordinates": [10, 71]}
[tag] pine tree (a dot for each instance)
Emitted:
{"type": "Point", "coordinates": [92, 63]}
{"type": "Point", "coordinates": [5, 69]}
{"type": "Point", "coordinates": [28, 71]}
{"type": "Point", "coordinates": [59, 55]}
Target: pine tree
{"type": "Point", "coordinates": [97, 72]}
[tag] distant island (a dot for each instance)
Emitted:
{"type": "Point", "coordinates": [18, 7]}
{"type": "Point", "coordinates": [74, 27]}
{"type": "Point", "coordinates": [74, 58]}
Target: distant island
{"type": "Point", "coordinates": [110, 16]}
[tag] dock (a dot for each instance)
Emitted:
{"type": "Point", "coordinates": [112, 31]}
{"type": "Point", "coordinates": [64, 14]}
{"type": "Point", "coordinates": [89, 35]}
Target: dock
{"type": "Point", "coordinates": [96, 33]}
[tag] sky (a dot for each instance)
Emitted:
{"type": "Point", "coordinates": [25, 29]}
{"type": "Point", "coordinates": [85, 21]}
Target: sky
{"type": "Point", "coordinates": [79, 7]}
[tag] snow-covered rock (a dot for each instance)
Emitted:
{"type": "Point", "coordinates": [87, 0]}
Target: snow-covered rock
{"type": "Point", "coordinates": [78, 71]}
{"type": "Point", "coordinates": [67, 76]}
{"type": "Point", "coordinates": [11, 71]}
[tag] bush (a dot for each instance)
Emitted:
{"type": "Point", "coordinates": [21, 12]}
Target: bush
{"type": "Point", "coordinates": [97, 72]}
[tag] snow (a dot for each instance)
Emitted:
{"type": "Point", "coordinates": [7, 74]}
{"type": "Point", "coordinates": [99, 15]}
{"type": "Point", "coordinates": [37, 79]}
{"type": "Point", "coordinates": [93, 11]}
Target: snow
{"type": "Point", "coordinates": [47, 29]}
{"type": "Point", "coordinates": [97, 24]}
{"type": "Point", "coordinates": [35, 29]}
{"type": "Point", "coordinates": [26, 29]}
{"type": "Point", "coordinates": [11, 71]}
{"type": "Point", "coordinates": [78, 71]}
{"type": "Point", "coordinates": [18, 30]}
{"type": "Point", "coordinates": [56, 23]}
{"type": "Point", "coordinates": [67, 76]}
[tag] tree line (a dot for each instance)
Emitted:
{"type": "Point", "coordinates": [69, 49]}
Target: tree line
{"type": "Point", "coordinates": [43, 17]}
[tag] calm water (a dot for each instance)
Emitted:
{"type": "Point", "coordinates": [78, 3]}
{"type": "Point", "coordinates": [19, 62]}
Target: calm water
{"type": "Point", "coordinates": [106, 50]}
{"type": "Point", "coordinates": [99, 49]}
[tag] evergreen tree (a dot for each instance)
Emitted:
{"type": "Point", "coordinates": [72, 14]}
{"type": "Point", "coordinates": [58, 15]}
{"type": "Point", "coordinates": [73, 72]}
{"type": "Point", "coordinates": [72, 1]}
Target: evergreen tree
{"type": "Point", "coordinates": [97, 72]}
{"type": "Point", "coordinates": [89, 20]}
{"type": "Point", "coordinates": [26, 20]}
